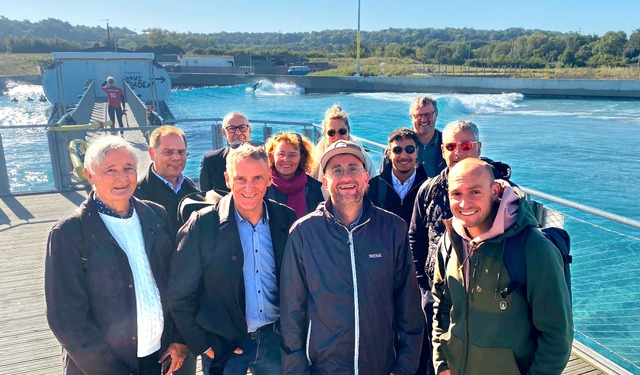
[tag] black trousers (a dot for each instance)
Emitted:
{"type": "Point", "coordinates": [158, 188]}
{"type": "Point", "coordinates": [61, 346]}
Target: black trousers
{"type": "Point", "coordinates": [149, 365]}
{"type": "Point", "coordinates": [115, 112]}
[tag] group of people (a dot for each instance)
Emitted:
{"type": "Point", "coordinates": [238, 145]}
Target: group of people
{"type": "Point", "coordinates": [295, 259]}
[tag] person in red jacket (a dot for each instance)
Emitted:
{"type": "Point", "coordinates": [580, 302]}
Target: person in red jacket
{"type": "Point", "coordinates": [115, 99]}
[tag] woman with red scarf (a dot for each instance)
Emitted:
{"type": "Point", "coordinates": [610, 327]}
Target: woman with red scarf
{"type": "Point", "coordinates": [291, 159]}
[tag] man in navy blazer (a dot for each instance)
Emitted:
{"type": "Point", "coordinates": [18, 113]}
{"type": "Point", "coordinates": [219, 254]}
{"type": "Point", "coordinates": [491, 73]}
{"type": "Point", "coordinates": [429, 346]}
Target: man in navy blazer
{"type": "Point", "coordinates": [235, 128]}
{"type": "Point", "coordinates": [224, 278]}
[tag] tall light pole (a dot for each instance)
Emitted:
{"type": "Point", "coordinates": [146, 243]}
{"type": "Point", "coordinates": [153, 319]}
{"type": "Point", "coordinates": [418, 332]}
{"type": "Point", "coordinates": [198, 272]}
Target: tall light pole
{"type": "Point", "coordinates": [358, 44]}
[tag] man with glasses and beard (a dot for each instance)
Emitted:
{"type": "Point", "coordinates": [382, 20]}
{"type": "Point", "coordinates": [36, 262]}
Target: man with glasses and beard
{"type": "Point", "coordinates": [461, 140]}
{"type": "Point", "coordinates": [423, 113]}
{"type": "Point", "coordinates": [396, 187]}
{"type": "Point", "coordinates": [235, 128]}
{"type": "Point", "coordinates": [349, 301]}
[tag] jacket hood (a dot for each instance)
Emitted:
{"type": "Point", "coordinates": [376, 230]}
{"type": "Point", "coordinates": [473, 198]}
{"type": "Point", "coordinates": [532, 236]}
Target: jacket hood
{"type": "Point", "coordinates": [513, 213]}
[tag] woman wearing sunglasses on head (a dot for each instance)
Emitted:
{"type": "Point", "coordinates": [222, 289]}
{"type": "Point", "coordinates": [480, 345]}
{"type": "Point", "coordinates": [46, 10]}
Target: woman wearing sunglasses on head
{"type": "Point", "coordinates": [335, 126]}
{"type": "Point", "coordinates": [291, 158]}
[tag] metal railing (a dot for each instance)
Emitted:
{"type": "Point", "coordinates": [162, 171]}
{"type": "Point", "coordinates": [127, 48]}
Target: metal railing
{"type": "Point", "coordinates": [605, 246]}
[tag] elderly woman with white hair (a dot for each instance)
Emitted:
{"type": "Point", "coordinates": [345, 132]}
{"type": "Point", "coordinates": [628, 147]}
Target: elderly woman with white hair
{"type": "Point", "coordinates": [106, 273]}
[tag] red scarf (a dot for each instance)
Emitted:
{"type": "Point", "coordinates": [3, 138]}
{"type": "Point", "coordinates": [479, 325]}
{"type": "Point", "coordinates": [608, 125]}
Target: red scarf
{"type": "Point", "coordinates": [294, 190]}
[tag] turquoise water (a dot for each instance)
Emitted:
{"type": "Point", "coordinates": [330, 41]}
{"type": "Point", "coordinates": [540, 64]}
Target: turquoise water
{"type": "Point", "coordinates": [582, 150]}
{"type": "Point", "coordinates": [578, 149]}
{"type": "Point", "coordinates": [585, 150]}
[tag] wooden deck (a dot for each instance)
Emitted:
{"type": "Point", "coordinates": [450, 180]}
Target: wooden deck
{"type": "Point", "coordinates": [26, 343]}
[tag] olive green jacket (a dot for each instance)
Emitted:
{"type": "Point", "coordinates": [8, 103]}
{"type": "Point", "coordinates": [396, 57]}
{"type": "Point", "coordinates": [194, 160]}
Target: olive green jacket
{"type": "Point", "coordinates": [481, 332]}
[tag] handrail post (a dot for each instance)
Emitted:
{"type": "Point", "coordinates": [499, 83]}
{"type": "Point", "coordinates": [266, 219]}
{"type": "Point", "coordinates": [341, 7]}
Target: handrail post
{"type": "Point", "coordinates": [55, 164]}
{"type": "Point", "coordinates": [216, 136]}
{"type": "Point", "coordinates": [5, 188]}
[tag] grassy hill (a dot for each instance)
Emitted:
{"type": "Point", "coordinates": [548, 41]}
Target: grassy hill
{"type": "Point", "coordinates": [12, 64]}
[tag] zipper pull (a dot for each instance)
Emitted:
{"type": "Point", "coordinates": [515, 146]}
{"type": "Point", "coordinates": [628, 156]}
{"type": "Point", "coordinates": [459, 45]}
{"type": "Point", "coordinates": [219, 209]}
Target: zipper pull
{"type": "Point", "coordinates": [475, 267]}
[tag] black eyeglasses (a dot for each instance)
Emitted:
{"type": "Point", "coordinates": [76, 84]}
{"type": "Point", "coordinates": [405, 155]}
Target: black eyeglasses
{"type": "Point", "coordinates": [464, 146]}
{"type": "Point", "coordinates": [241, 128]}
{"type": "Point", "coordinates": [332, 132]}
{"type": "Point", "coordinates": [409, 149]}
{"type": "Point", "coordinates": [251, 143]}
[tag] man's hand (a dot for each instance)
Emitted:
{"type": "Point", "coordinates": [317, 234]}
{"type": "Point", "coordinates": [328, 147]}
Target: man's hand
{"type": "Point", "coordinates": [177, 352]}
{"type": "Point", "coordinates": [445, 372]}
{"type": "Point", "coordinates": [209, 353]}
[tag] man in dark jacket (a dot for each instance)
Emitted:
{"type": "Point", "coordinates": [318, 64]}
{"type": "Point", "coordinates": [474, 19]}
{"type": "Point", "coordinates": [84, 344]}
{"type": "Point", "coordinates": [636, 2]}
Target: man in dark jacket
{"type": "Point", "coordinates": [461, 140]}
{"type": "Point", "coordinates": [223, 286]}
{"type": "Point", "coordinates": [106, 274]}
{"type": "Point", "coordinates": [423, 113]}
{"type": "Point", "coordinates": [396, 187]}
{"type": "Point", "coordinates": [349, 299]}
{"type": "Point", "coordinates": [164, 183]}
{"type": "Point", "coordinates": [235, 128]}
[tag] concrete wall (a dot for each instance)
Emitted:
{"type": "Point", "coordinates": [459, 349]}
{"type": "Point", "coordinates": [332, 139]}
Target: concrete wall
{"type": "Point", "coordinates": [465, 85]}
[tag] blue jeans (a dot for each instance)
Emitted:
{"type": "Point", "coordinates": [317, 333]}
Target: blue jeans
{"type": "Point", "coordinates": [260, 353]}
{"type": "Point", "coordinates": [206, 364]}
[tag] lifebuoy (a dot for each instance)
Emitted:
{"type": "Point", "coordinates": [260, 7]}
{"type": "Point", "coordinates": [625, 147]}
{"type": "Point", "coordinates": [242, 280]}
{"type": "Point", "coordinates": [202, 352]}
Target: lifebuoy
{"type": "Point", "coordinates": [77, 150]}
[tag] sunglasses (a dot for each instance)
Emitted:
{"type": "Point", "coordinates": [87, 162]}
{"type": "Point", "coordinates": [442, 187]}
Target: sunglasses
{"type": "Point", "coordinates": [409, 149]}
{"type": "Point", "coordinates": [332, 132]}
{"type": "Point", "coordinates": [464, 146]}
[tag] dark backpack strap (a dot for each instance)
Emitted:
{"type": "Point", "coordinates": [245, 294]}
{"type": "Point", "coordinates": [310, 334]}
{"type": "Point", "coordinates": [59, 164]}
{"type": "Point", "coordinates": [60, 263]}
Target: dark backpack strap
{"type": "Point", "coordinates": [515, 262]}
{"type": "Point", "coordinates": [562, 241]}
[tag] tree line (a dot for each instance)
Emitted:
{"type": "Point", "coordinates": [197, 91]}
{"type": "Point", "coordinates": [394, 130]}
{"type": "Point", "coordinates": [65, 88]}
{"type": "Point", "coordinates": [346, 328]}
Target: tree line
{"type": "Point", "coordinates": [466, 46]}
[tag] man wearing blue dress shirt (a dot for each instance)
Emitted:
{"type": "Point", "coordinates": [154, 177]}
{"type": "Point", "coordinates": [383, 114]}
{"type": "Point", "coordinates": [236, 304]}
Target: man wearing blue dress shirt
{"type": "Point", "coordinates": [224, 288]}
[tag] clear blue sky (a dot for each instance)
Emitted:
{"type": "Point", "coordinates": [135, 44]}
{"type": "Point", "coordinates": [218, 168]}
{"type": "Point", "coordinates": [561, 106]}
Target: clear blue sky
{"type": "Point", "coordinates": [205, 16]}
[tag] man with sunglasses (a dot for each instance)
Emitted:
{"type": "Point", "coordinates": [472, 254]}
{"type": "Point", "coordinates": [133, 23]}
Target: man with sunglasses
{"type": "Point", "coordinates": [395, 189]}
{"type": "Point", "coordinates": [235, 128]}
{"type": "Point", "coordinates": [164, 182]}
{"type": "Point", "coordinates": [460, 140]}
{"type": "Point", "coordinates": [349, 301]}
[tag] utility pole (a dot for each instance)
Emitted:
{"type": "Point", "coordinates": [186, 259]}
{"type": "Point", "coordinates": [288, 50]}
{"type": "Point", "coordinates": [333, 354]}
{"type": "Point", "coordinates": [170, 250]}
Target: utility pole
{"type": "Point", "coordinates": [358, 44]}
{"type": "Point", "coordinates": [108, 32]}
